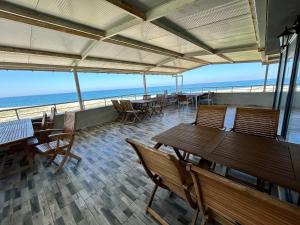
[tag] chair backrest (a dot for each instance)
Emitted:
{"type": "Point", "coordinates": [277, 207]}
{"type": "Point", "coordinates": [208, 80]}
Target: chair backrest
{"type": "Point", "coordinates": [166, 93]}
{"type": "Point", "coordinates": [239, 204]}
{"type": "Point", "coordinates": [70, 122]}
{"type": "Point", "coordinates": [44, 121]}
{"type": "Point", "coordinates": [53, 114]}
{"type": "Point", "coordinates": [182, 98]}
{"type": "Point", "coordinates": [116, 105]}
{"type": "Point", "coordinates": [126, 105]}
{"type": "Point", "coordinates": [164, 169]}
{"type": "Point", "coordinates": [146, 97]}
{"type": "Point", "coordinates": [255, 121]}
{"type": "Point", "coordinates": [211, 116]}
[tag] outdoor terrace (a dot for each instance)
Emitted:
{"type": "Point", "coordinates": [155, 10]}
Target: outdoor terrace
{"type": "Point", "coordinates": [107, 187]}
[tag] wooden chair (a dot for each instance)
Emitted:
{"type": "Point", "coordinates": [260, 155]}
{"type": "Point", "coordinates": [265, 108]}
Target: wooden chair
{"type": "Point", "coordinates": [129, 111]}
{"type": "Point", "coordinates": [146, 97]}
{"type": "Point", "coordinates": [40, 125]}
{"type": "Point", "coordinates": [159, 106]}
{"type": "Point", "coordinates": [228, 202]}
{"type": "Point", "coordinates": [259, 122]}
{"type": "Point", "coordinates": [206, 98]}
{"type": "Point", "coordinates": [60, 143]}
{"type": "Point", "coordinates": [166, 172]}
{"type": "Point", "coordinates": [256, 121]}
{"type": "Point", "coordinates": [50, 121]}
{"type": "Point", "coordinates": [183, 100]}
{"type": "Point", "coordinates": [117, 106]}
{"type": "Point", "coordinates": [211, 116]}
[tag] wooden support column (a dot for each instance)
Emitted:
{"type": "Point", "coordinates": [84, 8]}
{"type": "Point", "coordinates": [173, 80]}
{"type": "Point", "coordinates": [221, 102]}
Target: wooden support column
{"type": "Point", "coordinates": [145, 84]}
{"type": "Point", "coordinates": [266, 77]}
{"type": "Point", "coordinates": [78, 90]}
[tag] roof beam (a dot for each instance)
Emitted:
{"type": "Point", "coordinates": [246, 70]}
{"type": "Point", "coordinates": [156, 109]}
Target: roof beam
{"type": "Point", "coordinates": [28, 16]}
{"type": "Point", "coordinates": [59, 68]}
{"type": "Point", "coordinates": [155, 15]}
{"type": "Point", "coordinates": [140, 17]}
{"type": "Point", "coordinates": [128, 8]}
{"type": "Point", "coordinates": [182, 33]}
{"type": "Point", "coordinates": [24, 15]}
{"type": "Point", "coordinates": [77, 57]}
{"type": "Point", "coordinates": [244, 48]}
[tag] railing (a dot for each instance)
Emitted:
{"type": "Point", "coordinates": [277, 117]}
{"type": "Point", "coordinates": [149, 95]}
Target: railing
{"type": "Point", "coordinates": [35, 111]}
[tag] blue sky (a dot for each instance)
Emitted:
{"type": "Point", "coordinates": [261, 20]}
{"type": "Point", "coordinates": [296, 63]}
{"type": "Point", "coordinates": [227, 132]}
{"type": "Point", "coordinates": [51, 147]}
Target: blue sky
{"type": "Point", "coordinates": [22, 83]}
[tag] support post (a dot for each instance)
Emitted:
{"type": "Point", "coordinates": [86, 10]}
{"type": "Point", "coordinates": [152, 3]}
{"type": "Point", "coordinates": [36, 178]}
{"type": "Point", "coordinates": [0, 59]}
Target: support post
{"type": "Point", "coordinates": [145, 84]}
{"type": "Point", "coordinates": [266, 77]}
{"type": "Point", "coordinates": [176, 83]}
{"type": "Point", "coordinates": [78, 90]}
{"type": "Point", "coordinates": [181, 82]}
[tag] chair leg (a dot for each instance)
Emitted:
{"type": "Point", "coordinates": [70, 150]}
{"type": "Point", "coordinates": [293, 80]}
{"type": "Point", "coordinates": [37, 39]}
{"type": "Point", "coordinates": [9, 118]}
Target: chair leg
{"type": "Point", "coordinates": [151, 211]}
{"type": "Point", "coordinates": [151, 197]}
{"type": "Point", "coordinates": [62, 163]}
{"type": "Point", "coordinates": [51, 159]}
{"type": "Point", "coordinates": [75, 156]}
{"type": "Point", "coordinates": [195, 217]}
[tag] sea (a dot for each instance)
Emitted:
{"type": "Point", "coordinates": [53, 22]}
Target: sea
{"type": "Point", "coordinates": [46, 99]}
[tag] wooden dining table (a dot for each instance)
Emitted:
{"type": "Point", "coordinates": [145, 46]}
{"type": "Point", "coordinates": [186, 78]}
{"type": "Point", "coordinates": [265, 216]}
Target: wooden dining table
{"type": "Point", "coordinates": [16, 132]}
{"type": "Point", "coordinates": [265, 158]}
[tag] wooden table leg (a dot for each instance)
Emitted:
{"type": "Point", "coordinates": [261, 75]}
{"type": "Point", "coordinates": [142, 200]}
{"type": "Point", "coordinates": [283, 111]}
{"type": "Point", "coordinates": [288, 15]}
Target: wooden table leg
{"type": "Point", "coordinates": [157, 145]}
{"type": "Point", "coordinates": [180, 157]}
{"type": "Point", "coordinates": [29, 154]}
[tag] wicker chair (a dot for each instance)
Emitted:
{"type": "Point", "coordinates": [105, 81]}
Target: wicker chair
{"type": "Point", "coordinates": [228, 202]}
{"type": "Point", "coordinates": [60, 143]}
{"type": "Point", "coordinates": [166, 172]}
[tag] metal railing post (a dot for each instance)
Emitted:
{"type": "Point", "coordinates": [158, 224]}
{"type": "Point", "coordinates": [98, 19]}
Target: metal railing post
{"type": "Point", "coordinates": [81, 105]}
{"type": "Point", "coordinates": [16, 111]}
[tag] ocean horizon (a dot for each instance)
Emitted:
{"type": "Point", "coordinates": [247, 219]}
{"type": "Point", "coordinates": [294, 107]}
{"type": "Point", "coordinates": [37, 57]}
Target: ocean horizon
{"type": "Point", "coordinates": [45, 99]}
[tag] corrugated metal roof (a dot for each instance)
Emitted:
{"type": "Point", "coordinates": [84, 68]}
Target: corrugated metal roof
{"type": "Point", "coordinates": [144, 35]}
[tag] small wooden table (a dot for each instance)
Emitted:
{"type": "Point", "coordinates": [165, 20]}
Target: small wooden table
{"type": "Point", "coordinates": [16, 132]}
{"type": "Point", "coordinates": [268, 159]}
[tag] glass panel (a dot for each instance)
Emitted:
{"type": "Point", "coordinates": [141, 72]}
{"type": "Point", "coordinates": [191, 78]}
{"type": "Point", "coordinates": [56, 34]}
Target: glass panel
{"type": "Point", "coordinates": [280, 76]}
{"type": "Point", "coordinates": [285, 81]}
{"type": "Point", "coordinates": [293, 134]}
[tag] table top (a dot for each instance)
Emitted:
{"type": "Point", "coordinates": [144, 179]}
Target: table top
{"type": "Point", "coordinates": [143, 101]}
{"type": "Point", "coordinates": [191, 94]}
{"type": "Point", "coordinates": [15, 131]}
{"type": "Point", "coordinates": [268, 159]}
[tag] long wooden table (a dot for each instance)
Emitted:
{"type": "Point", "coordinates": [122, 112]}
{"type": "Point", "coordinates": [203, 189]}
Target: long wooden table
{"type": "Point", "coordinates": [14, 133]}
{"type": "Point", "coordinates": [268, 159]}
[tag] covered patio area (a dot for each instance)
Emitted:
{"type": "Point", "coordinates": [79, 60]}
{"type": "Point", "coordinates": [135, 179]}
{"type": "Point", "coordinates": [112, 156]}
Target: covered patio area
{"type": "Point", "coordinates": [198, 148]}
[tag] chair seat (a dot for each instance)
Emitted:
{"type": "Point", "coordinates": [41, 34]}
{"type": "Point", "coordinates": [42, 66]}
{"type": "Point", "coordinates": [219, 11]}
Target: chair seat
{"type": "Point", "coordinates": [32, 141]}
{"type": "Point", "coordinates": [46, 147]}
{"type": "Point", "coordinates": [133, 111]}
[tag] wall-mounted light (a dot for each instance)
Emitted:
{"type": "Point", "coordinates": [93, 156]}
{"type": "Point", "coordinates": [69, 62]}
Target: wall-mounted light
{"type": "Point", "coordinates": [285, 37]}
